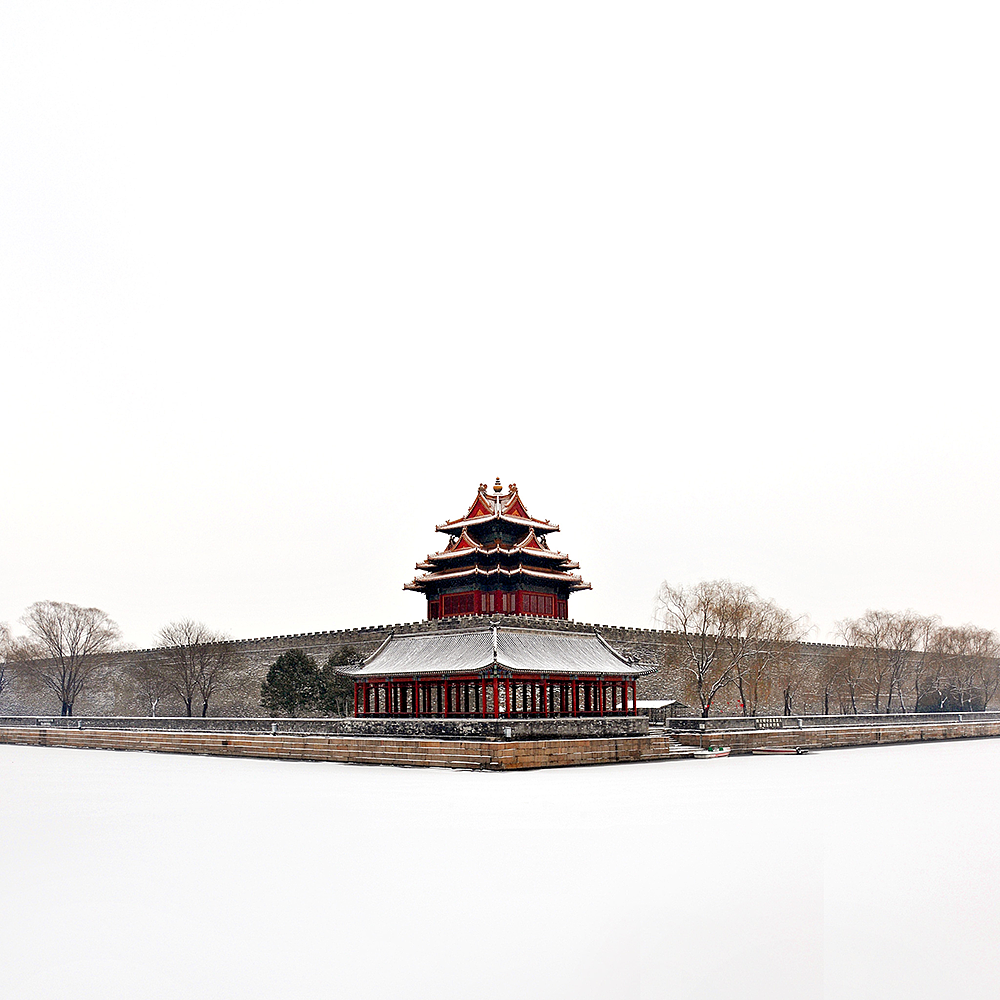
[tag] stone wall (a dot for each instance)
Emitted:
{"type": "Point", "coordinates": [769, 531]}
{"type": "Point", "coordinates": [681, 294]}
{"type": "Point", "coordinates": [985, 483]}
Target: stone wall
{"type": "Point", "coordinates": [112, 693]}
{"type": "Point", "coordinates": [839, 736]}
{"type": "Point", "coordinates": [400, 751]}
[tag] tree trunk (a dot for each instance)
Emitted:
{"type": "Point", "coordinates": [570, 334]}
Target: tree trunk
{"type": "Point", "coordinates": [187, 705]}
{"type": "Point", "coordinates": [204, 709]}
{"type": "Point", "coordinates": [743, 700]}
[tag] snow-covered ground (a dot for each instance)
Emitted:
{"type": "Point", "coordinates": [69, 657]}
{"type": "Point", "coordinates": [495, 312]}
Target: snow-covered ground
{"type": "Point", "coordinates": [845, 874]}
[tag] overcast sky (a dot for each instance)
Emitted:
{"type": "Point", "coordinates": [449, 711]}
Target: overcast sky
{"type": "Point", "coordinates": [280, 284]}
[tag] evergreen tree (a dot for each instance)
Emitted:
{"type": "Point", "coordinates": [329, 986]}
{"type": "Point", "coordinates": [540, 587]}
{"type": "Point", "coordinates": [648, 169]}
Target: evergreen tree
{"type": "Point", "coordinates": [293, 684]}
{"type": "Point", "coordinates": [337, 691]}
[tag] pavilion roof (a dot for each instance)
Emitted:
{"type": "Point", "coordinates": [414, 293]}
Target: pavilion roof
{"type": "Point", "coordinates": [552, 575]}
{"type": "Point", "coordinates": [496, 506]}
{"type": "Point", "coordinates": [464, 546]}
{"type": "Point", "coordinates": [477, 651]}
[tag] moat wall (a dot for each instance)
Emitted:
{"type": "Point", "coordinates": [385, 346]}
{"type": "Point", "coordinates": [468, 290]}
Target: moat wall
{"type": "Point", "coordinates": [477, 751]}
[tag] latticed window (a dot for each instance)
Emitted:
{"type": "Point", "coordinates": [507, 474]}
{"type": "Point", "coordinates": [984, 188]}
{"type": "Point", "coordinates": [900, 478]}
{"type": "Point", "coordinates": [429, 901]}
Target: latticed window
{"type": "Point", "coordinates": [458, 604]}
{"type": "Point", "coordinates": [539, 604]}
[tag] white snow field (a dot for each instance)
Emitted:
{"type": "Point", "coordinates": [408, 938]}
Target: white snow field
{"type": "Point", "coordinates": [844, 874]}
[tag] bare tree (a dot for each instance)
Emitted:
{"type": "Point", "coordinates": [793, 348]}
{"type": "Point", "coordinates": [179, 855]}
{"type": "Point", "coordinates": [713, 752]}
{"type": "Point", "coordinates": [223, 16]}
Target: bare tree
{"type": "Point", "coordinates": [888, 649]}
{"type": "Point", "coordinates": [867, 636]}
{"type": "Point", "coordinates": [195, 661]}
{"type": "Point", "coordinates": [151, 681]}
{"type": "Point", "coordinates": [848, 667]}
{"type": "Point", "coordinates": [906, 635]}
{"type": "Point", "coordinates": [215, 670]}
{"type": "Point", "coordinates": [920, 661]}
{"type": "Point", "coordinates": [965, 665]}
{"type": "Point", "coordinates": [68, 642]}
{"type": "Point", "coordinates": [796, 677]}
{"type": "Point", "coordinates": [6, 649]}
{"type": "Point", "coordinates": [830, 680]}
{"type": "Point", "coordinates": [700, 656]}
{"type": "Point", "coordinates": [728, 636]}
{"type": "Point", "coordinates": [986, 651]}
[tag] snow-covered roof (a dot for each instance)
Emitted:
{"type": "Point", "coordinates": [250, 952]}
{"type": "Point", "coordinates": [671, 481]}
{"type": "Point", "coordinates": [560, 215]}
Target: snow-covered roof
{"type": "Point", "coordinates": [514, 650]}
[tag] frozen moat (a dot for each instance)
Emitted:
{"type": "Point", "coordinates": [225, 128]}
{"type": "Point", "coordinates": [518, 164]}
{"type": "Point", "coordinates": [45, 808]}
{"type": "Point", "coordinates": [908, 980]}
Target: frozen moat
{"type": "Point", "coordinates": [851, 874]}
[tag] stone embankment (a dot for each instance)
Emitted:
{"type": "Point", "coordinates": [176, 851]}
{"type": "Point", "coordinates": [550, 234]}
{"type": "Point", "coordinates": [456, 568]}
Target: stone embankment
{"type": "Point", "coordinates": [484, 744]}
{"type": "Point", "coordinates": [744, 735]}
{"type": "Point", "coordinates": [467, 754]}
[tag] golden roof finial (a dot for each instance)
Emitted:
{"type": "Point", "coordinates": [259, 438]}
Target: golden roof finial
{"type": "Point", "coordinates": [497, 487]}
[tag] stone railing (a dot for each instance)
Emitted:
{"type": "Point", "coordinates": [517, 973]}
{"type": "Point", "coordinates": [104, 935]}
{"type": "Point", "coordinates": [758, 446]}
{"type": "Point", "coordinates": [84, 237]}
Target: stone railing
{"type": "Point", "coordinates": [590, 727]}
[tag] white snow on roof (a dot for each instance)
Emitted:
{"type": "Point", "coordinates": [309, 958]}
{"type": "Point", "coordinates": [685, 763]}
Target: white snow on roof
{"type": "Point", "coordinates": [519, 650]}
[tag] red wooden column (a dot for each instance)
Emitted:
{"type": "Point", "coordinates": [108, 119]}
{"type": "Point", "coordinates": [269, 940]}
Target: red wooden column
{"type": "Point", "coordinates": [545, 696]}
{"type": "Point", "coordinates": [496, 698]}
{"type": "Point", "coordinates": [576, 696]}
{"type": "Point", "coordinates": [600, 694]}
{"type": "Point", "coordinates": [507, 697]}
{"type": "Point", "coordinates": [482, 710]}
{"type": "Point", "coordinates": [635, 701]}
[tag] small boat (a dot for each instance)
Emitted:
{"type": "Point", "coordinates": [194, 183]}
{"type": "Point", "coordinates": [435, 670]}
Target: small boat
{"type": "Point", "coordinates": [713, 752]}
{"type": "Point", "coordinates": [771, 751]}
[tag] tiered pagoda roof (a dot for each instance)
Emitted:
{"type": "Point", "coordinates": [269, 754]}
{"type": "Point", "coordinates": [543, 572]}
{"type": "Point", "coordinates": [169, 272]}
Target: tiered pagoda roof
{"type": "Point", "coordinates": [497, 546]}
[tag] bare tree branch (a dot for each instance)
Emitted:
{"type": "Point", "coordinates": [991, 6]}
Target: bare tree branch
{"type": "Point", "coordinates": [68, 643]}
{"type": "Point", "coordinates": [195, 661]}
{"type": "Point", "coordinates": [728, 637]}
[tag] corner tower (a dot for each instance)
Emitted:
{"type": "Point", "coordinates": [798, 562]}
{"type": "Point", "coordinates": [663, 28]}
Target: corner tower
{"type": "Point", "coordinates": [497, 561]}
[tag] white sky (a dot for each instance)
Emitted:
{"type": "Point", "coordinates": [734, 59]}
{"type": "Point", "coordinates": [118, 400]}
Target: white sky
{"type": "Point", "coordinates": [280, 284]}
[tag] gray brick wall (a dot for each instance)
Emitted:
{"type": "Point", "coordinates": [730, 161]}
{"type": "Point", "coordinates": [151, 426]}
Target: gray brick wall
{"type": "Point", "coordinates": [113, 694]}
